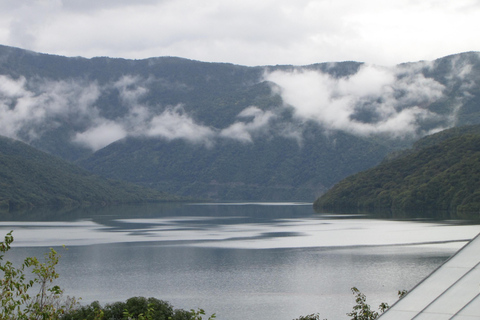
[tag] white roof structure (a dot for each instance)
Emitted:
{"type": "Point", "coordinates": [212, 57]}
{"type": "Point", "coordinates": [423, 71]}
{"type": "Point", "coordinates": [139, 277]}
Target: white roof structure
{"type": "Point", "coordinates": [450, 292]}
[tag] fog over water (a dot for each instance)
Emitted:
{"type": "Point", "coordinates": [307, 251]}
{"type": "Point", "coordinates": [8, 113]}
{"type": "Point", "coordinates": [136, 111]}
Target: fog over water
{"type": "Point", "coordinates": [240, 261]}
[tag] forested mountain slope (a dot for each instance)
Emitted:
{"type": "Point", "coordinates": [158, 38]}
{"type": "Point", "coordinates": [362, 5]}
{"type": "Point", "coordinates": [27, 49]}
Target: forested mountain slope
{"type": "Point", "coordinates": [441, 172]}
{"type": "Point", "coordinates": [226, 131]}
{"type": "Point", "coordinates": [275, 169]}
{"type": "Point", "coordinates": [32, 178]}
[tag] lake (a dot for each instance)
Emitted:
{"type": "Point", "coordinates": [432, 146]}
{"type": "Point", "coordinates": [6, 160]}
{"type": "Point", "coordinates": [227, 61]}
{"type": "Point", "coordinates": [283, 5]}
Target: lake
{"type": "Point", "coordinates": [269, 261]}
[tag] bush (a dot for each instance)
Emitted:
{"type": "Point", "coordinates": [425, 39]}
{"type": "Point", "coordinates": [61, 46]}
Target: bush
{"type": "Point", "coordinates": [15, 292]}
{"type": "Point", "coordinates": [133, 308]}
{"type": "Point", "coordinates": [361, 310]}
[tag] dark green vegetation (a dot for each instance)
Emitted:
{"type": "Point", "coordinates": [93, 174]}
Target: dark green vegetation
{"type": "Point", "coordinates": [361, 310]}
{"type": "Point", "coordinates": [440, 172]}
{"type": "Point", "coordinates": [276, 169]}
{"type": "Point", "coordinates": [154, 309]}
{"type": "Point", "coordinates": [32, 178]}
{"type": "Point", "coordinates": [17, 298]}
{"type": "Point", "coordinates": [224, 131]}
{"type": "Point", "coordinates": [136, 307]}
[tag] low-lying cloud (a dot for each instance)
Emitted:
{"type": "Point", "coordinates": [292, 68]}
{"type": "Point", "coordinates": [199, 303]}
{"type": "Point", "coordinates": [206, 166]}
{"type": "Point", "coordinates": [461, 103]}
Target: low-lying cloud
{"type": "Point", "coordinates": [375, 100]}
{"type": "Point", "coordinates": [255, 121]}
{"type": "Point", "coordinates": [175, 124]}
{"type": "Point", "coordinates": [27, 113]}
{"type": "Point", "coordinates": [29, 108]}
{"type": "Point", "coordinates": [100, 135]}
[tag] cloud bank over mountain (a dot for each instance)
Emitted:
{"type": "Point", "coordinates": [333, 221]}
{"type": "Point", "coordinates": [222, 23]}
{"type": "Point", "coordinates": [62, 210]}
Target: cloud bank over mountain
{"type": "Point", "coordinates": [30, 108]}
{"type": "Point", "coordinates": [225, 131]}
{"type": "Point", "coordinates": [394, 101]}
{"type": "Point", "coordinates": [372, 101]}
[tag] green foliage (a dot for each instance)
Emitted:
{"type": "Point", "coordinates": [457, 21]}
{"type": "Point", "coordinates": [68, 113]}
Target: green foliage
{"type": "Point", "coordinates": [147, 316]}
{"type": "Point", "coordinates": [442, 172]}
{"type": "Point", "coordinates": [197, 315]}
{"type": "Point", "coordinates": [402, 293]}
{"type": "Point", "coordinates": [31, 178]}
{"type": "Point", "coordinates": [278, 168]}
{"type": "Point", "coordinates": [361, 310]}
{"type": "Point", "coordinates": [16, 299]}
{"type": "Point", "coordinates": [313, 316]}
{"type": "Point", "coordinates": [135, 308]}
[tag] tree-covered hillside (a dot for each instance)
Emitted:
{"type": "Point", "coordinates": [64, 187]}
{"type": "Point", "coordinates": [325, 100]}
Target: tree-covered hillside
{"type": "Point", "coordinates": [31, 178]}
{"type": "Point", "coordinates": [441, 172]}
{"type": "Point", "coordinates": [226, 131]}
{"type": "Point", "coordinates": [277, 169]}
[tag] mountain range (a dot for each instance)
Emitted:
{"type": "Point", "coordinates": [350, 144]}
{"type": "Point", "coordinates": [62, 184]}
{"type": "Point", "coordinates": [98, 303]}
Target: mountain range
{"type": "Point", "coordinates": [440, 173]}
{"type": "Point", "coordinates": [230, 132]}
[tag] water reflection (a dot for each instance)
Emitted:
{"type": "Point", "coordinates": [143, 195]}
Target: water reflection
{"type": "Point", "coordinates": [254, 226]}
{"type": "Point", "coordinates": [242, 261]}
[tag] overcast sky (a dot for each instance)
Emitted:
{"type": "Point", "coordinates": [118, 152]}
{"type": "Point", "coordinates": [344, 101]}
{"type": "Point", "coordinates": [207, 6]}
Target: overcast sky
{"type": "Point", "coordinates": [247, 32]}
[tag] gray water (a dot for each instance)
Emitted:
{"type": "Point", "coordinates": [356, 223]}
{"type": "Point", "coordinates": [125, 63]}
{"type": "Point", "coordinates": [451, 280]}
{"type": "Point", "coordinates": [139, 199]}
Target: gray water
{"type": "Point", "coordinates": [240, 261]}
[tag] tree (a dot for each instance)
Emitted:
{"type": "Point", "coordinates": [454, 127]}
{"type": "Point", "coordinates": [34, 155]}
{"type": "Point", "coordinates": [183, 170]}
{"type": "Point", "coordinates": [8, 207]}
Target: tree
{"type": "Point", "coordinates": [362, 311]}
{"type": "Point", "coordinates": [137, 308]}
{"type": "Point", "coordinates": [15, 288]}
{"type": "Point", "coordinates": [197, 314]}
{"type": "Point", "coordinates": [313, 316]}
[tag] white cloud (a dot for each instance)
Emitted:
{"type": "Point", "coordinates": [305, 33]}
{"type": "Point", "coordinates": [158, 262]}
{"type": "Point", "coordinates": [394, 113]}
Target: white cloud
{"type": "Point", "coordinates": [25, 21]}
{"type": "Point", "coordinates": [101, 135]}
{"type": "Point", "coordinates": [369, 102]}
{"type": "Point", "coordinates": [27, 113]}
{"type": "Point", "coordinates": [174, 124]}
{"type": "Point", "coordinates": [374, 100]}
{"type": "Point", "coordinates": [247, 32]}
{"type": "Point", "coordinates": [368, 81]}
{"type": "Point", "coordinates": [30, 108]}
{"type": "Point", "coordinates": [243, 130]}
{"type": "Point", "coordinates": [11, 88]}
{"type": "Point", "coordinates": [130, 89]}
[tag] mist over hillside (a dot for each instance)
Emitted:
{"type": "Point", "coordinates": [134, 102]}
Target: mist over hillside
{"type": "Point", "coordinates": [227, 131]}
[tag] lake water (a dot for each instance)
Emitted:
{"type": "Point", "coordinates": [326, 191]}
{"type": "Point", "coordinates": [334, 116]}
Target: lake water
{"type": "Point", "coordinates": [269, 261]}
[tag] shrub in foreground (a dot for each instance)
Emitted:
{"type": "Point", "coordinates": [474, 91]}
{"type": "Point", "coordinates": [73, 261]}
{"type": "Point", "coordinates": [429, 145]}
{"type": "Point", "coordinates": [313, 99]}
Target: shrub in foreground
{"type": "Point", "coordinates": [133, 308]}
{"type": "Point", "coordinates": [17, 284]}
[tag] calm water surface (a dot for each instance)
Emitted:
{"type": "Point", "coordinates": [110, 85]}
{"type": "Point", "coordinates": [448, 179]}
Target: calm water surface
{"type": "Point", "coordinates": [238, 260]}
